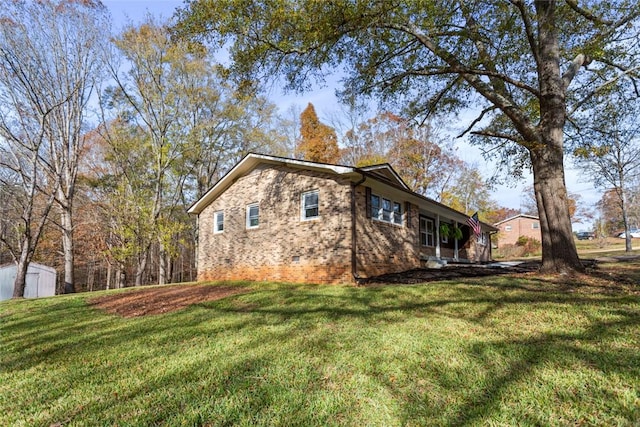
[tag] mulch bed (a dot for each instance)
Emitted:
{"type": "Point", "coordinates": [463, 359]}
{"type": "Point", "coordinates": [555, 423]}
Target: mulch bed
{"type": "Point", "coordinates": [450, 272]}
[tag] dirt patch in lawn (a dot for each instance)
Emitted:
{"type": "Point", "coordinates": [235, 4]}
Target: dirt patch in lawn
{"type": "Point", "coordinates": [164, 299]}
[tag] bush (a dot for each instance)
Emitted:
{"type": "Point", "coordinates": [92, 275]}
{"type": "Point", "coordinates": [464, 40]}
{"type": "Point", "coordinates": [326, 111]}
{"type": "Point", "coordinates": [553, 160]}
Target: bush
{"type": "Point", "coordinates": [508, 252]}
{"type": "Point", "coordinates": [529, 244]}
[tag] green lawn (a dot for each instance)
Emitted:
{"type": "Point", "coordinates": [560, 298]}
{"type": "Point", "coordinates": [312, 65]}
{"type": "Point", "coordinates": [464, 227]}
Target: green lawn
{"type": "Point", "coordinates": [491, 351]}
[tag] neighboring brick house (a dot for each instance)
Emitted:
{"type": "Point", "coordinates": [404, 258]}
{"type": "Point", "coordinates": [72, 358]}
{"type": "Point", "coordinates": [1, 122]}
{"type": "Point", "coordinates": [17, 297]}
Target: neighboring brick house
{"type": "Point", "coordinates": [274, 218]}
{"type": "Point", "coordinates": [520, 225]}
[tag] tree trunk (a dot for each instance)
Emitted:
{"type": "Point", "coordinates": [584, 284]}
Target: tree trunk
{"type": "Point", "coordinates": [163, 273]}
{"type": "Point", "coordinates": [67, 248]}
{"type": "Point", "coordinates": [559, 254]}
{"type": "Point", "coordinates": [121, 277]}
{"type": "Point", "coordinates": [625, 218]}
{"type": "Point", "coordinates": [20, 283]}
{"type": "Point", "coordinates": [109, 271]}
{"type": "Point", "coordinates": [141, 267]}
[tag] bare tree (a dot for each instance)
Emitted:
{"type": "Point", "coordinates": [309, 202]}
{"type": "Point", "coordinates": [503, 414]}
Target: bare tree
{"type": "Point", "coordinates": [27, 197]}
{"type": "Point", "coordinates": [609, 149]}
{"type": "Point", "coordinates": [52, 48]}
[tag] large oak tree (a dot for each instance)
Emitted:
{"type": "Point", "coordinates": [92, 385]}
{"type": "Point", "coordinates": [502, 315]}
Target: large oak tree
{"type": "Point", "coordinates": [520, 61]}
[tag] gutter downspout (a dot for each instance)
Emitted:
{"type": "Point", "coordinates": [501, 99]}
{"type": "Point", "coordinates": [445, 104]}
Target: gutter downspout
{"type": "Point", "coordinates": [197, 245]}
{"type": "Point", "coordinates": [354, 257]}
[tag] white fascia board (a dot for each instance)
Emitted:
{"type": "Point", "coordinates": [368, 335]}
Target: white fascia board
{"type": "Point", "coordinates": [387, 167]}
{"type": "Point", "coordinates": [249, 162]}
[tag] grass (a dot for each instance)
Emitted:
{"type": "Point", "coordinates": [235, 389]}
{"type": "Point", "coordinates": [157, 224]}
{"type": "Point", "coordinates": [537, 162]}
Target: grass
{"type": "Point", "coordinates": [491, 351]}
{"type": "Point", "coordinates": [609, 245]}
{"type": "Point", "coordinates": [587, 249]}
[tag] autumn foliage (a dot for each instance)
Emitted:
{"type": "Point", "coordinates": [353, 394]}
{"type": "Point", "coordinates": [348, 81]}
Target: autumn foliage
{"type": "Point", "coordinates": [318, 142]}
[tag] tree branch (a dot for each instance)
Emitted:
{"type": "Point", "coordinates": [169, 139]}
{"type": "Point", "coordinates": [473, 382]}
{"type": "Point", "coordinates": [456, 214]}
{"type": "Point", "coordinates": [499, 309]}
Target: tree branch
{"type": "Point", "coordinates": [520, 120]}
{"type": "Point", "coordinates": [573, 4]}
{"type": "Point", "coordinates": [579, 61]}
{"type": "Point", "coordinates": [599, 88]}
{"type": "Point", "coordinates": [477, 120]}
{"type": "Point", "coordinates": [528, 27]}
{"type": "Point", "coordinates": [498, 135]}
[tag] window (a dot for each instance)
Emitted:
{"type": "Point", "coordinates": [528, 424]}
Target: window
{"type": "Point", "coordinates": [375, 206]}
{"type": "Point", "coordinates": [253, 215]}
{"type": "Point", "coordinates": [535, 225]}
{"type": "Point", "coordinates": [397, 213]}
{"type": "Point", "coordinates": [310, 208]}
{"type": "Point", "coordinates": [426, 232]}
{"type": "Point", "coordinates": [385, 210]}
{"type": "Point", "coordinates": [482, 239]}
{"type": "Point", "coordinates": [444, 238]}
{"type": "Point", "coordinates": [507, 228]}
{"type": "Point", "coordinates": [218, 222]}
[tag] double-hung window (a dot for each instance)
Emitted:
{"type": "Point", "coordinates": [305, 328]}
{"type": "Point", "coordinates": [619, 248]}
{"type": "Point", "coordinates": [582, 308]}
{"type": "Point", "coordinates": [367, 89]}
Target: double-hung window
{"type": "Point", "coordinates": [397, 213]}
{"type": "Point", "coordinates": [386, 210]}
{"type": "Point", "coordinates": [310, 205]}
{"type": "Point", "coordinates": [375, 206]}
{"type": "Point", "coordinates": [482, 239]}
{"type": "Point", "coordinates": [218, 222]}
{"type": "Point", "coordinates": [427, 234]}
{"type": "Point", "coordinates": [253, 215]}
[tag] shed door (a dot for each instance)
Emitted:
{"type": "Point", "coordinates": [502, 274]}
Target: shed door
{"type": "Point", "coordinates": [31, 288]}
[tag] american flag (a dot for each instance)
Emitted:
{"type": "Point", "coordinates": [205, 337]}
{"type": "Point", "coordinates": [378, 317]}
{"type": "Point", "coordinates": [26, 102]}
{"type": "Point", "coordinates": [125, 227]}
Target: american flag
{"type": "Point", "coordinates": [474, 223]}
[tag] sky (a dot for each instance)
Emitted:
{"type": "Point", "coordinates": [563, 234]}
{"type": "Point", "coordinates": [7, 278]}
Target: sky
{"type": "Point", "coordinates": [326, 103]}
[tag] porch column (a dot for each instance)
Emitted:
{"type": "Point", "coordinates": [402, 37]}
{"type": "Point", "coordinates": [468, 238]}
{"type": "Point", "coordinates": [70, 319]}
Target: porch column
{"type": "Point", "coordinates": [455, 243]}
{"type": "Point", "coordinates": [438, 236]}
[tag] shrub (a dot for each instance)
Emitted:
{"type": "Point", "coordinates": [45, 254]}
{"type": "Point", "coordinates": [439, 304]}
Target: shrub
{"type": "Point", "coordinates": [529, 244]}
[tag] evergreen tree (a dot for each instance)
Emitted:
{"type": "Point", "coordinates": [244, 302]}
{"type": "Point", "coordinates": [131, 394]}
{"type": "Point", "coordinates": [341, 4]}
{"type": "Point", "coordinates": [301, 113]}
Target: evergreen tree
{"type": "Point", "coordinates": [318, 142]}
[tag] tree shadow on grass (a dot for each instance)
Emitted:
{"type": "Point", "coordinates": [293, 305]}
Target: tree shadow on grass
{"type": "Point", "coordinates": [551, 348]}
{"type": "Point", "coordinates": [523, 356]}
{"type": "Point", "coordinates": [264, 320]}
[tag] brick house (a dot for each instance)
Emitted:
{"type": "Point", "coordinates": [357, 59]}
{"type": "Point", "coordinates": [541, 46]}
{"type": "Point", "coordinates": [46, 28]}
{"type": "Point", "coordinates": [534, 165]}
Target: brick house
{"type": "Point", "coordinates": [274, 218]}
{"type": "Point", "coordinates": [510, 229]}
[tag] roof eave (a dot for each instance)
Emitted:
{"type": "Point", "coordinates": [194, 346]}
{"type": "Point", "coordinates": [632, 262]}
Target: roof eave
{"type": "Point", "coordinates": [250, 161]}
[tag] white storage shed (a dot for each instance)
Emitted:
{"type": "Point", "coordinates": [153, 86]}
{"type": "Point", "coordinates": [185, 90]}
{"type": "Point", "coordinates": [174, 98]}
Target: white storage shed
{"type": "Point", "coordinates": [41, 281]}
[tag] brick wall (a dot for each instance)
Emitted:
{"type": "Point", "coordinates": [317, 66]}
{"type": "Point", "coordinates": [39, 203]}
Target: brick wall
{"type": "Point", "coordinates": [520, 226]}
{"type": "Point", "coordinates": [382, 247]}
{"type": "Point", "coordinates": [283, 247]}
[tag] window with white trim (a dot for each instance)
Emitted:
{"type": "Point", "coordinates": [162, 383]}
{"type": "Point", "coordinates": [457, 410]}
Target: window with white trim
{"type": "Point", "coordinates": [218, 222]}
{"type": "Point", "coordinates": [375, 206]}
{"type": "Point", "coordinates": [507, 228]}
{"type": "Point", "coordinates": [310, 205]}
{"type": "Point", "coordinates": [386, 210]}
{"type": "Point", "coordinates": [535, 225]}
{"type": "Point", "coordinates": [427, 232]}
{"type": "Point", "coordinates": [253, 215]}
{"type": "Point", "coordinates": [397, 213]}
{"type": "Point", "coordinates": [482, 239]}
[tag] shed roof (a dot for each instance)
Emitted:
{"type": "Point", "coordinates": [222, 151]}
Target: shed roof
{"type": "Point", "coordinates": [32, 265]}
